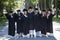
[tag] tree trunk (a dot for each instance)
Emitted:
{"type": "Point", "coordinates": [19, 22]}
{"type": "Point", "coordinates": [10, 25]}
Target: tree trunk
{"type": "Point", "coordinates": [55, 5]}
{"type": "Point", "coordinates": [1, 9]}
{"type": "Point", "coordinates": [28, 3]}
{"type": "Point", "coordinates": [42, 4]}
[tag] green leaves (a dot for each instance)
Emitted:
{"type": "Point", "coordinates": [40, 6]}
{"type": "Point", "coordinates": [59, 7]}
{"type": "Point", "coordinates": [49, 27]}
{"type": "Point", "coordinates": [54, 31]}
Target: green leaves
{"type": "Point", "coordinates": [58, 4]}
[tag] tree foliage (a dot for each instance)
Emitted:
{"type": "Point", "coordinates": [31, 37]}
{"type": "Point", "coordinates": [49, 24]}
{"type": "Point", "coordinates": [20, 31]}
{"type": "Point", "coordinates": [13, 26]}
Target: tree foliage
{"type": "Point", "coordinates": [58, 4]}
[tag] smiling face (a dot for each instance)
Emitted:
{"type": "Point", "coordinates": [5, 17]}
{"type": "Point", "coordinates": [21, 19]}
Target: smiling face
{"type": "Point", "coordinates": [44, 13]}
{"type": "Point", "coordinates": [10, 14]}
{"type": "Point", "coordinates": [36, 11]}
{"type": "Point", "coordinates": [18, 12]}
{"type": "Point", "coordinates": [49, 12]}
{"type": "Point", "coordinates": [25, 12]}
{"type": "Point", "coordinates": [30, 10]}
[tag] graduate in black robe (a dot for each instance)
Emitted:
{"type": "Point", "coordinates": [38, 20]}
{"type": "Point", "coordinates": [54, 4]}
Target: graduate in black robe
{"type": "Point", "coordinates": [49, 21]}
{"type": "Point", "coordinates": [31, 20]}
{"type": "Point", "coordinates": [37, 20]}
{"type": "Point", "coordinates": [25, 22]}
{"type": "Point", "coordinates": [11, 23]}
{"type": "Point", "coordinates": [31, 14]}
{"type": "Point", "coordinates": [44, 23]}
{"type": "Point", "coordinates": [18, 19]}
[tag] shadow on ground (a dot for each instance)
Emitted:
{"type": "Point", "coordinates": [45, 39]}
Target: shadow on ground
{"type": "Point", "coordinates": [38, 38]}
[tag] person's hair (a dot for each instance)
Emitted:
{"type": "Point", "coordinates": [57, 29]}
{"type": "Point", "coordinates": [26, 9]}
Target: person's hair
{"type": "Point", "coordinates": [49, 10]}
{"type": "Point", "coordinates": [36, 9]}
{"type": "Point", "coordinates": [10, 11]}
{"type": "Point", "coordinates": [30, 7]}
{"type": "Point", "coordinates": [25, 10]}
{"type": "Point", "coordinates": [18, 10]}
{"type": "Point", "coordinates": [43, 10]}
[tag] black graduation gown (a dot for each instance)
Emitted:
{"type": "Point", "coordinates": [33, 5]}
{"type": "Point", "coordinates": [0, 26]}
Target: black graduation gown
{"type": "Point", "coordinates": [49, 24]}
{"type": "Point", "coordinates": [31, 19]}
{"type": "Point", "coordinates": [11, 25]}
{"type": "Point", "coordinates": [25, 23]}
{"type": "Point", "coordinates": [15, 17]}
{"type": "Point", "coordinates": [37, 22]}
{"type": "Point", "coordinates": [44, 25]}
{"type": "Point", "coordinates": [18, 20]}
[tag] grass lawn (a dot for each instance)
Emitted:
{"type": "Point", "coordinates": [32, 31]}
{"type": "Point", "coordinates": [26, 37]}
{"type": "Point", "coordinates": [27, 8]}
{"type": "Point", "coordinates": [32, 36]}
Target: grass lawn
{"type": "Point", "coordinates": [56, 19]}
{"type": "Point", "coordinates": [2, 21]}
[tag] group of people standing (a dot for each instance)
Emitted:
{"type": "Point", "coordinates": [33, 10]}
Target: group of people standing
{"type": "Point", "coordinates": [30, 22]}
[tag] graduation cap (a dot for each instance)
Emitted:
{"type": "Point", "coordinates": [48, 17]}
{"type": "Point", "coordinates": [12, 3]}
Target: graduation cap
{"type": "Point", "coordinates": [30, 7]}
{"type": "Point", "coordinates": [43, 10]}
{"type": "Point", "coordinates": [10, 11]}
{"type": "Point", "coordinates": [18, 10]}
{"type": "Point", "coordinates": [49, 10]}
{"type": "Point", "coordinates": [25, 10]}
{"type": "Point", "coordinates": [36, 9]}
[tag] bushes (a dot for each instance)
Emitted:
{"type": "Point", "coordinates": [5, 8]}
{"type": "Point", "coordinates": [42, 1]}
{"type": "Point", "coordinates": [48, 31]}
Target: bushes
{"type": "Point", "coordinates": [3, 20]}
{"type": "Point", "coordinates": [56, 19]}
